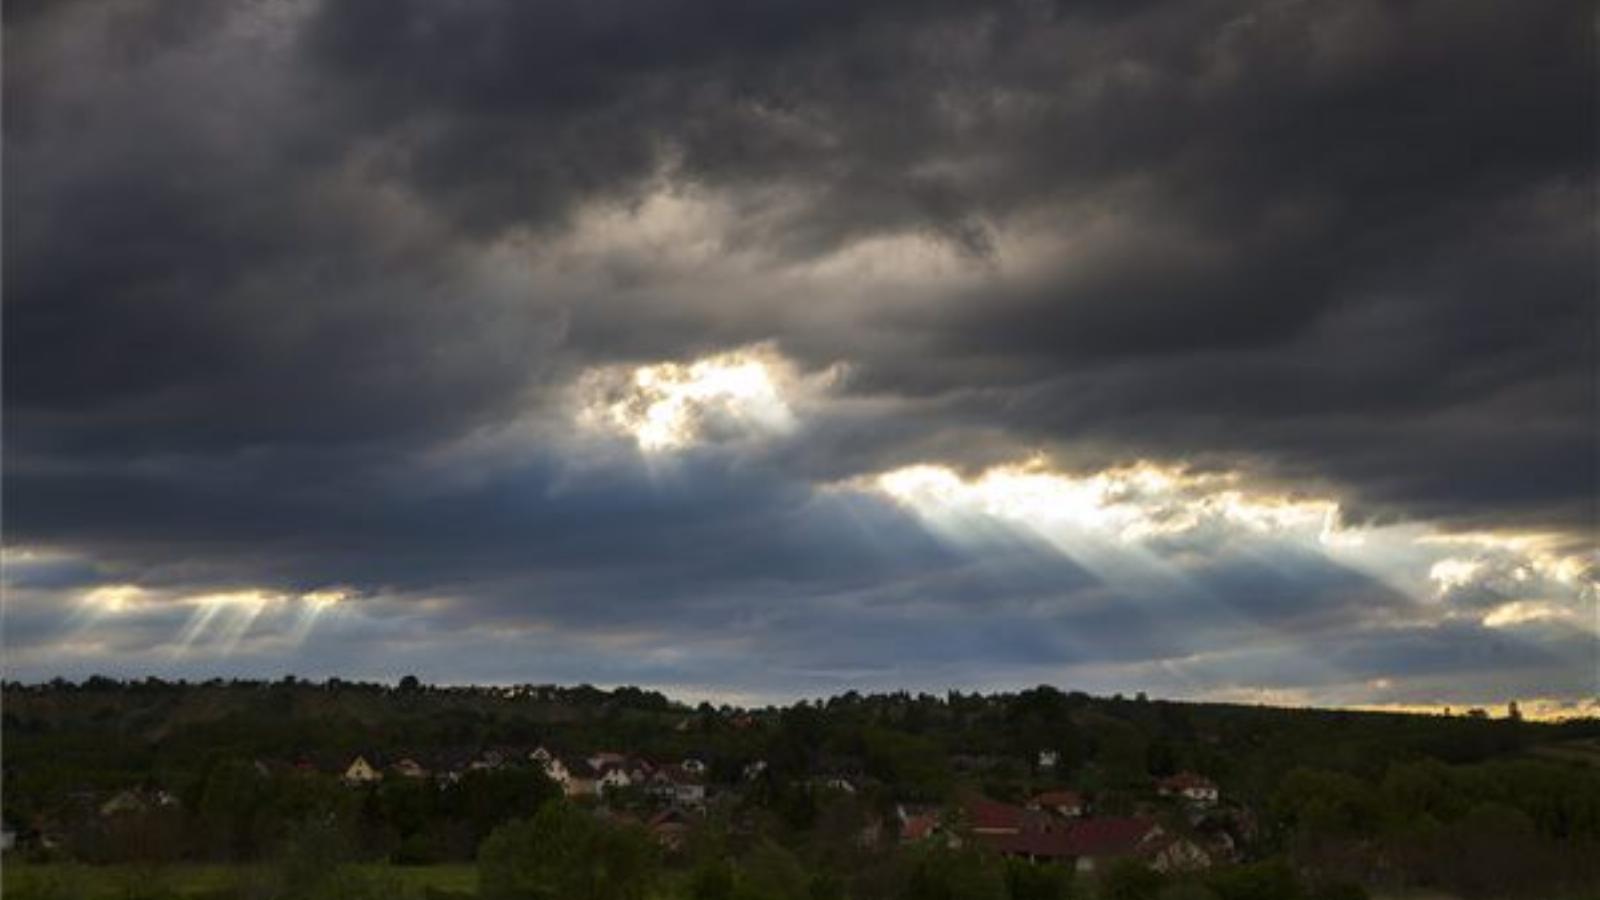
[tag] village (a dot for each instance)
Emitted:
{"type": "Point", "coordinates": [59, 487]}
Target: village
{"type": "Point", "coordinates": [1182, 826]}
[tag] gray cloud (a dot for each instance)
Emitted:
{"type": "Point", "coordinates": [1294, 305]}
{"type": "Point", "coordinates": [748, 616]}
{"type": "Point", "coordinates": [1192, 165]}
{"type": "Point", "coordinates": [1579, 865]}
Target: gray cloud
{"type": "Point", "coordinates": [269, 270]}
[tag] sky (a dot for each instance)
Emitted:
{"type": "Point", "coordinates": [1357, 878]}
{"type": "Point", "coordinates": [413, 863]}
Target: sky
{"type": "Point", "coordinates": [1220, 350]}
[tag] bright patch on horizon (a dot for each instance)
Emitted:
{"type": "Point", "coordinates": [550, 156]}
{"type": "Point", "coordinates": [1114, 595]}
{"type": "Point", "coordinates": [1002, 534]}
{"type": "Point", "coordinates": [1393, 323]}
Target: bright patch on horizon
{"type": "Point", "coordinates": [742, 393]}
{"type": "Point", "coordinates": [1147, 516]}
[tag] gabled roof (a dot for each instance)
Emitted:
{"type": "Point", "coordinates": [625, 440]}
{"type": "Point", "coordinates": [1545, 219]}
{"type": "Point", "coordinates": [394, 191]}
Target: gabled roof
{"type": "Point", "coordinates": [984, 814]}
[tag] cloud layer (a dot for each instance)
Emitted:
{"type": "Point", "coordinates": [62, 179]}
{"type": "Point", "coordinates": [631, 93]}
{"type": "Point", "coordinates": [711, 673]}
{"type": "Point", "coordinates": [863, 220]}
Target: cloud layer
{"type": "Point", "coordinates": [1211, 349]}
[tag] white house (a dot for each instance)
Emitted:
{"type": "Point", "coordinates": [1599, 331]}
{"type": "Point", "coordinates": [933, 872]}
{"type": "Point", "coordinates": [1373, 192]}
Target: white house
{"type": "Point", "coordinates": [361, 772]}
{"type": "Point", "coordinates": [554, 768]}
{"type": "Point", "coordinates": [694, 766]}
{"type": "Point", "coordinates": [612, 778]}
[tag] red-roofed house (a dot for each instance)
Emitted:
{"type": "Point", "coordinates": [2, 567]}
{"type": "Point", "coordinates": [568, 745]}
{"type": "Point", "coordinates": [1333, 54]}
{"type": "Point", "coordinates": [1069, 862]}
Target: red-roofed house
{"type": "Point", "coordinates": [988, 817]}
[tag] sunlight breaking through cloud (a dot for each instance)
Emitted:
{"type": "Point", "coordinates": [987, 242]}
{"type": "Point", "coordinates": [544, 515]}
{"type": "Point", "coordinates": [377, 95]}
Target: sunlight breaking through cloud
{"type": "Point", "coordinates": [1166, 515]}
{"type": "Point", "coordinates": [216, 623]}
{"type": "Point", "coordinates": [742, 393]}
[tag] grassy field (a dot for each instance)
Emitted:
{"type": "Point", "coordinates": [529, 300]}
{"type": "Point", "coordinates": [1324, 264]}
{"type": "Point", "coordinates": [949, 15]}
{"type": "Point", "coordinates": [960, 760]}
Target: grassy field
{"type": "Point", "coordinates": [190, 880]}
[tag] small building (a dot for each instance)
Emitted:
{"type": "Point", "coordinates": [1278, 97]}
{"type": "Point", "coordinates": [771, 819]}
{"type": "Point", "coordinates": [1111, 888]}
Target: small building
{"type": "Point", "coordinates": [1189, 786]}
{"type": "Point", "coordinates": [694, 765]}
{"type": "Point", "coordinates": [580, 780]}
{"type": "Point", "coordinates": [612, 778]}
{"type": "Point", "coordinates": [409, 768]}
{"type": "Point", "coordinates": [1048, 759]}
{"type": "Point", "coordinates": [125, 801]}
{"type": "Point", "coordinates": [673, 784]}
{"type": "Point", "coordinates": [1066, 804]}
{"type": "Point", "coordinates": [361, 772]}
{"type": "Point", "coordinates": [553, 767]}
{"type": "Point", "coordinates": [1094, 843]}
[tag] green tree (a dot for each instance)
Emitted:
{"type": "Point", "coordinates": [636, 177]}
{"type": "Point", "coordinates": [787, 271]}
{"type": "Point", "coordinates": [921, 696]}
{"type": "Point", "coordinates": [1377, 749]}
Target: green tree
{"type": "Point", "coordinates": [1130, 879]}
{"type": "Point", "coordinates": [1037, 881]}
{"type": "Point", "coordinates": [563, 853]}
{"type": "Point", "coordinates": [938, 872]}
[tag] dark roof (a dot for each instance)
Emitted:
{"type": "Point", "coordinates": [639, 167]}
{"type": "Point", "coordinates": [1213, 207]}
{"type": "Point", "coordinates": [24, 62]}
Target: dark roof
{"type": "Point", "coordinates": [1114, 836]}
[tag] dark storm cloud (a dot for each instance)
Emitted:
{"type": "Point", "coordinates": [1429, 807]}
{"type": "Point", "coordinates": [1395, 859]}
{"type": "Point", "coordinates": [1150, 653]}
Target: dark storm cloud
{"type": "Point", "coordinates": [266, 267]}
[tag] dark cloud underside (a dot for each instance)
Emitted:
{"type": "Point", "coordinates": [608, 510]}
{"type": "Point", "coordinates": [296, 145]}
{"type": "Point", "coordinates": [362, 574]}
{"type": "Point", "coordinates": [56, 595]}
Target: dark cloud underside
{"type": "Point", "coordinates": [272, 272]}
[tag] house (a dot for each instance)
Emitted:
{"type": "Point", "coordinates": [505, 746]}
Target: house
{"type": "Point", "coordinates": [1190, 787]}
{"type": "Point", "coordinates": [553, 767]}
{"type": "Point", "coordinates": [601, 760]}
{"type": "Point", "coordinates": [612, 778]}
{"type": "Point", "coordinates": [1038, 833]}
{"type": "Point", "coordinates": [694, 766]}
{"type": "Point", "coordinates": [137, 801]}
{"type": "Point", "coordinates": [987, 817]}
{"type": "Point", "coordinates": [1066, 804]}
{"type": "Point", "coordinates": [361, 772]}
{"type": "Point", "coordinates": [674, 784]}
{"type": "Point", "coordinates": [409, 768]}
{"type": "Point", "coordinates": [838, 783]}
{"type": "Point", "coordinates": [1087, 844]}
{"type": "Point", "coordinates": [1096, 842]}
{"type": "Point", "coordinates": [581, 780]}
{"type": "Point", "coordinates": [1048, 759]}
{"type": "Point", "coordinates": [917, 821]}
{"type": "Point", "coordinates": [127, 801]}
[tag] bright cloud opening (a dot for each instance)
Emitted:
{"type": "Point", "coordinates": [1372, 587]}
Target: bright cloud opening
{"type": "Point", "coordinates": [1129, 503]}
{"type": "Point", "coordinates": [743, 393]}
